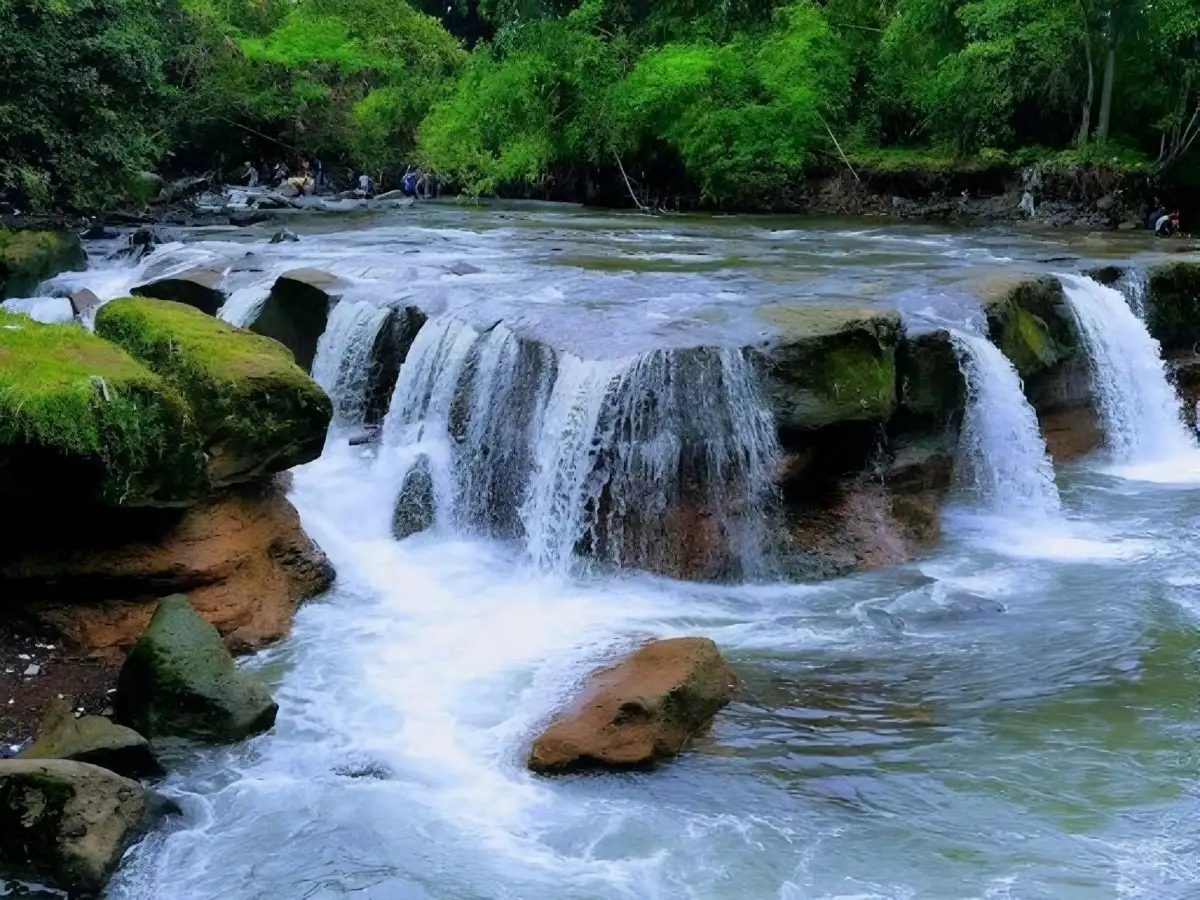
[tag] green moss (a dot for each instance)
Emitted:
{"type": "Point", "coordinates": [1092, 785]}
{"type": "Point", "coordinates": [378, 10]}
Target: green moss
{"type": "Point", "coordinates": [1027, 320]}
{"type": "Point", "coordinates": [66, 395]}
{"type": "Point", "coordinates": [257, 410]}
{"type": "Point", "coordinates": [1173, 314]}
{"type": "Point", "coordinates": [30, 257]}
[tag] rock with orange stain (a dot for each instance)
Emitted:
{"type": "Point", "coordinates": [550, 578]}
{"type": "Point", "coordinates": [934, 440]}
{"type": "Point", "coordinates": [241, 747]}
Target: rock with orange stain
{"type": "Point", "coordinates": [644, 709]}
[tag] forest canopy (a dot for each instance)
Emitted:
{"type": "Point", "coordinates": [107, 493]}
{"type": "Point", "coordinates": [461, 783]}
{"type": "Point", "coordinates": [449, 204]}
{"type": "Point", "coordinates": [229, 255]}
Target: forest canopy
{"type": "Point", "coordinates": [735, 97]}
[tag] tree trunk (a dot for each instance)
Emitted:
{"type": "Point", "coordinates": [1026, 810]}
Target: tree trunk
{"type": "Point", "coordinates": [1085, 125]}
{"type": "Point", "coordinates": [1106, 92]}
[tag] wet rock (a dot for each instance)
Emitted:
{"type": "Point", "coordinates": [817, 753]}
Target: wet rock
{"type": "Point", "coordinates": [256, 411]}
{"type": "Point", "coordinates": [644, 709]}
{"type": "Point", "coordinates": [29, 257]}
{"type": "Point", "coordinates": [1029, 320]}
{"type": "Point", "coordinates": [97, 232]}
{"type": "Point", "coordinates": [390, 195]}
{"type": "Point", "coordinates": [1071, 432]}
{"type": "Point", "coordinates": [390, 351]}
{"type": "Point", "coordinates": [416, 507]}
{"type": "Point", "coordinates": [1173, 304]}
{"type": "Point", "coordinates": [66, 823]}
{"type": "Point", "coordinates": [83, 422]}
{"type": "Point", "coordinates": [241, 555]}
{"type": "Point", "coordinates": [197, 288]}
{"type": "Point", "coordinates": [246, 219]}
{"type": "Point", "coordinates": [179, 680]}
{"type": "Point", "coordinates": [284, 236]}
{"type": "Point", "coordinates": [830, 365]}
{"type": "Point", "coordinates": [83, 302]}
{"type": "Point", "coordinates": [458, 267]}
{"type": "Point", "coordinates": [94, 740]}
{"type": "Point", "coordinates": [931, 383]}
{"type": "Point", "coordinates": [297, 311]}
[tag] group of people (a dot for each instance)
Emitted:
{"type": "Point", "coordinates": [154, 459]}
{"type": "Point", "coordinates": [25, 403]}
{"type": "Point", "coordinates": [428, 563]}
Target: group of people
{"type": "Point", "coordinates": [309, 177]}
{"type": "Point", "coordinates": [1163, 223]}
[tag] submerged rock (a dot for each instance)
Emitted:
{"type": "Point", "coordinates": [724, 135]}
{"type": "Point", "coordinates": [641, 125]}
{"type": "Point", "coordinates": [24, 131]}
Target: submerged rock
{"type": "Point", "coordinates": [198, 288]}
{"type": "Point", "coordinates": [284, 236]}
{"type": "Point", "coordinates": [644, 709]}
{"type": "Point", "coordinates": [179, 680]}
{"type": "Point", "coordinates": [831, 365]}
{"type": "Point", "coordinates": [256, 410]}
{"type": "Point", "coordinates": [94, 740]}
{"type": "Point", "coordinates": [81, 422]}
{"type": "Point", "coordinates": [1173, 307]}
{"type": "Point", "coordinates": [297, 311]}
{"type": "Point", "coordinates": [416, 507]}
{"type": "Point", "coordinates": [67, 823]}
{"type": "Point", "coordinates": [28, 258]}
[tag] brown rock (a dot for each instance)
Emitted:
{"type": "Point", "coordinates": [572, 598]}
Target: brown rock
{"type": "Point", "coordinates": [1071, 432]}
{"type": "Point", "coordinates": [645, 708]}
{"type": "Point", "coordinates": [241, 557]}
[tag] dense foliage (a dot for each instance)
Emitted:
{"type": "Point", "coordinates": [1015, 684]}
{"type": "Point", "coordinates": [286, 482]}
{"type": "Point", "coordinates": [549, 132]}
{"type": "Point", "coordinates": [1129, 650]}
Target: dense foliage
{"type": "Point", "coordinates": [732, 98]}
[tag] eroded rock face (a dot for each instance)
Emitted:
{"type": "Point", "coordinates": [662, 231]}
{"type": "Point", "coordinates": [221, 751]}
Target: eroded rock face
{"type": "Point", "coordinates": [416, 507]}
{"type": "Point", "coordinates": [830, 365]}
{"type": "Point", "coordinates": [180, 681]}
{"type": "Point", "coordinates": [256, 411]}
{"type": "Point", "coordinates": [28, 258]}
{"type": "Point", "coordinates": [198, 288]}
{"type": "Point", "coordinates": [67, 823]}
{"type": "Point", "coordinates": [94, 740]}
{"type": "Point", "coordinates": [241, 556]}
{"type": "Point", "coordinates": [297, 311]}
{"type": "Point", "coordinates": [82, 422]}
{"type": "Point", "coordinates": [1173, 308]}
{"type": "Point", "coordinates": [644, 709]}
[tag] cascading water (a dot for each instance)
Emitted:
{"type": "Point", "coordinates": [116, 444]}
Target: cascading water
{"type": "Point", "coordinates": [1003, 455]}
{"type": "Point", "coordinates": [1139, 410]}
{"type": "Point", "coordinates": [662, 461]}
{"type": "Point", "coordinates": [345, 355]}
{"type": "Point", "coordinates": [244, 304]}
{"type": "Point", "coordinates": [1135, 287]}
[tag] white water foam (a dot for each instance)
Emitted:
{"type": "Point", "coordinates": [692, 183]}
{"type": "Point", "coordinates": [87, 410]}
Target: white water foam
{"type": "Point", "coordinates": [1139, 411]}
{"type": "Point", "coordinates": [345, 354]}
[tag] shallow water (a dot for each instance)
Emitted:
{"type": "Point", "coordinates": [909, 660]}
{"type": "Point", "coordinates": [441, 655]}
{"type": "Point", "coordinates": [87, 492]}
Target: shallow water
{"type": "Point", "coordinates": [1038, 737]}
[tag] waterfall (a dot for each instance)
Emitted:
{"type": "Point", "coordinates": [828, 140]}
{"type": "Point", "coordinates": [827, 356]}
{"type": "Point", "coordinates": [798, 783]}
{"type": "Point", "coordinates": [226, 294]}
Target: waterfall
{"type": "Point", "coordinates": [1138, 408]}
{"type": "Point", "coordinates": [345, 356]}
{"type": "Point", "coordinates": [243, 305]}
{"type": "Point", "coordinates": [663, 461]}
{"type": "Point", "coordinates": [1135, 287]}
{"type": "Point", "coordinates": [1003, 457]}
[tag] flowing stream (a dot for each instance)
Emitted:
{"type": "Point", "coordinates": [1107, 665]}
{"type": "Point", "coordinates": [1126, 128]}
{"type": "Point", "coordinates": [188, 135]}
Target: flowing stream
{"type": "Point", "coordinates": [1013, 716]}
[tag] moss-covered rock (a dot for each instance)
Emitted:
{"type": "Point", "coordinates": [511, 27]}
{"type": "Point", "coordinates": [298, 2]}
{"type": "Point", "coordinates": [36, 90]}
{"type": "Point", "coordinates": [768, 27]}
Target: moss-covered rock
{"type": "Point", "coordinates": [830, 365]}
{"type": "Point", "coordinates": [297, 311]}
{"type": "Point", "coordinates": [1028, 320]}
{"type": "Point", "coordinates": [179, 680]}
{"type": "Point", "coordinates": [92, 739]}
{"type": "Point", "coordinates": [1173, 307]}
{"type": "Point", "coordinates": [257, 411]}
{"type": "Point", "coordinates": [932, 387]}
{"type": "Point", "coordinates": [30, 257]}
{"type": "Point", "coordinates": [66, 823]}
{"type": "Point", "coordinates": [83, 420]}
{"type": "Point", "coordinates": [199, 288]}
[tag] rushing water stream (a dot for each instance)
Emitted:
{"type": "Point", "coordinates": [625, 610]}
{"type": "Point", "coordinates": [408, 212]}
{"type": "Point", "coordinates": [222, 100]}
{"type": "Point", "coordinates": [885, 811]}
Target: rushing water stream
{"type": "Point", "coordinates": [1012, 717]}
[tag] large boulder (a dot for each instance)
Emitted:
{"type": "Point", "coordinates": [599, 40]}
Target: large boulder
{"type": "Point", "coordinates": [256, 410]}
{"type": "Point", "coordinates": [297, 311]}
{"type": "Point", "coordinates": [1173, 307]}
{"type": "Point", "coordinates": [81, 421]}
{"type": "Point", "coordinates": [931, 384]}
{"type": "Point", "coordinates": [28, 258]}
{"type": "Point", "coordinates": [241, 555]}
{"type": "Point", "coordinates": [66, 823]}
{"type": "Point", "coordinates": [830, 365]}
{"type": "Point", "coordinates": [179, 680]}
{"type": "Point", "coordinates": [198, 288]}
{"type": "Point", "coordinates": [646, 708]}
{"type": "Point", "coordinates": [1028, 319]}
{"type": "Point", "coordinates": [92, 739]}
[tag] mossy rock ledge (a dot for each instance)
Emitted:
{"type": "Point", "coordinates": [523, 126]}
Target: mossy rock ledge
{"type": "Point", "coordinates": [28, 258]}
{"type": "Point", "coordinates": [1028, 319]}
{"type": "Point", "coordinates": [830, 364]}
{"type": "Point", "coordinates": [1173, 308]}
{"type": "Point", "coordinates": [179, 681]}
{"type": "Point", "coordinates": [256, 410]}
{"type": "Point", "coordinates": [82, 421]}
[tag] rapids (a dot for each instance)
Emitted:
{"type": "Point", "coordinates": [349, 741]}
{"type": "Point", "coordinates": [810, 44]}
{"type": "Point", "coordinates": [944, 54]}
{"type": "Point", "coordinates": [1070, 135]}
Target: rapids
{"type": "Point", "coordinates": [1013, 716]}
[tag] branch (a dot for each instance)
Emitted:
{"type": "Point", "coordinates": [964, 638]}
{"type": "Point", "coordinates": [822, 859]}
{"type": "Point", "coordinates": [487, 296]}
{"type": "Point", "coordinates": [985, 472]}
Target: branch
{"type": "Point", "coordinates": [628, 186]}
{"type": "Point", "coordinates": [839, 148]}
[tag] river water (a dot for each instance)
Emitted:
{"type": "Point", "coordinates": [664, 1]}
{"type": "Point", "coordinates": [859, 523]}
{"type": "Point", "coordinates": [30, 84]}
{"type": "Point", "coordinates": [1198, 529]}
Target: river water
{"type": "Point", "coordinates": [1044, 743]}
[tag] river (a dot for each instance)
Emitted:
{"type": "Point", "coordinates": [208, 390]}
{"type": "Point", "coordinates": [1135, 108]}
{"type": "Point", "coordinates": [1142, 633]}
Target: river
{"type": "Point", "coordinates": [886, 744]}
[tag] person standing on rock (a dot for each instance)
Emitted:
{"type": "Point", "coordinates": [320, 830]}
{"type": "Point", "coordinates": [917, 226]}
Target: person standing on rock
{"type": "Point", "coordinates": [251, 175]}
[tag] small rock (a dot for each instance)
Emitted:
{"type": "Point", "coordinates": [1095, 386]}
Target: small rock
{"type": "Point", "coordinates": [32, 670]}
{"type": "Point", "coordinates": [416, 506]}
{"type": "Point", "coordinates": [69, 734]}
{"type": "Point", "coordinates": [284, 235]}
